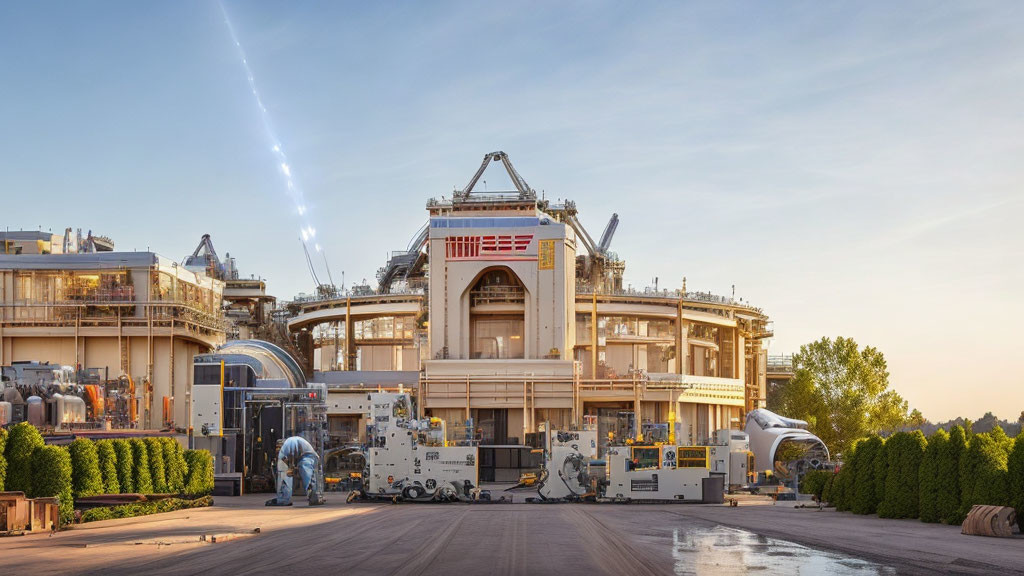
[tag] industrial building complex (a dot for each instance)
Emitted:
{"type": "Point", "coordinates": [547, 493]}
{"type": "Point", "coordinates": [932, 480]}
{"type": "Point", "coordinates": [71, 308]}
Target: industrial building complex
{"type": "Point", "coordinates": [504, 312]}
{"type": "Point", "coordinates": [501, 334]}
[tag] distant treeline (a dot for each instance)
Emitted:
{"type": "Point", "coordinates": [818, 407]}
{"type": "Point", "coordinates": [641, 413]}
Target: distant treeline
{"type": "Point", "coordinates": [982, 425]}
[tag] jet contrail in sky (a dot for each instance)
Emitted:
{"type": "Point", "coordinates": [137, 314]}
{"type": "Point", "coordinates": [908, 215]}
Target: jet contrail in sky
{"type": "Point", "coordinates": [307, 231]}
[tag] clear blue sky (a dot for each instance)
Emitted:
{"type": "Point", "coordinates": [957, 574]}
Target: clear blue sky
{"type": "Point", "coordinates": [855, 169]}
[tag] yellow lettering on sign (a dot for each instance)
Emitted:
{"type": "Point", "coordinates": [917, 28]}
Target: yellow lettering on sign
{"type": "Point", "coordinates": [546, 255]}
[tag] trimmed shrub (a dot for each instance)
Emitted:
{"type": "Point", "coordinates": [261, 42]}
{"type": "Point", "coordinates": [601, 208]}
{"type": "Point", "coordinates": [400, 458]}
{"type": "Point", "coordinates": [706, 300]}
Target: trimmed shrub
{"type": "Point", "coordinates": [1015, 475]}
{"type": "Point", "coordinates": [143, 482]}
{"type": "Point", "coordinates": [155, 450]}
{"type": "Point", "coordinates": [983, 474]}
{"type": "Point", "coordinates": [144, 508]}
{"type": "Point", "coordinates": [865, 491]}
{"type": "Point", "coordinates": [3, 459]}
{"type": "Point", "coordinates": [814, 482]}
{"type": "Point", "coordinates": [51, 476]}
{"type": "Point", "coordinates": [928, 477]}
{"type": "Point", "coordinates": [826, 492]}
{"type": "Point", "coordinates": [125, 465]}
{"type": "Point", "coordinates": [175, 467]}
{"type": "Point", "coordinates": [881, 472]}
{"type": "Point", "coordinates": [842, 487]}
{"type": "Point", "coordinates": [108, 466]}
{"type": "Point", "coordinates": [947, 493]}
{"type": "Point", "coordinates": [199, 480]}
{"type": "Point", "coordinates": [904, 452]}
{"type": "Point", "coordinates": [85, 469]}
{"type": "Point", "coordinates": [22, 441]}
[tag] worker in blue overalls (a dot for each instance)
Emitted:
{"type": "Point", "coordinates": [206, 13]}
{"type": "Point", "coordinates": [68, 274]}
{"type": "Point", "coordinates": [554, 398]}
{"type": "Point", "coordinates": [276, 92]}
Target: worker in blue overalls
{"type": "Point", "coordinates": [296, 454]}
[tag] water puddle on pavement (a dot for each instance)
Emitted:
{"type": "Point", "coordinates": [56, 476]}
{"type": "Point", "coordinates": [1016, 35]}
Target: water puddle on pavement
{"type": "Point", "coordinates": [722, 550]}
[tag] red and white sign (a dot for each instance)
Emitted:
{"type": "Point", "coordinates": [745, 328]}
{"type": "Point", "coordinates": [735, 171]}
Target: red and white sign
{"type": "Point", "coordinates": [493, 247]}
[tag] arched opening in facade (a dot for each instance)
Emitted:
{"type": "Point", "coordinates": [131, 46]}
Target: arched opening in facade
{"type": "Point", "coordinates": [497, 319]}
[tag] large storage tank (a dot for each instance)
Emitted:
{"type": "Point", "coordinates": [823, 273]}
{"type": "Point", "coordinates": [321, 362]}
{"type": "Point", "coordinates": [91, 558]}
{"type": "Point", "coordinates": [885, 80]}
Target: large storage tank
{"type": "Point", "coordinates": [72, 411]}
{"type": "Point", "coordinates": [36, 411]}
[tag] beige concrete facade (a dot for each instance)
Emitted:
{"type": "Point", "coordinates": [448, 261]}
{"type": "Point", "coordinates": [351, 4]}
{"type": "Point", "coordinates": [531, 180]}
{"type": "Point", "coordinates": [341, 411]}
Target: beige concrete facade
{"type": "Point", "coordinates": [508, 334]}
{"type": "Point", "coordinates": [133, 314]}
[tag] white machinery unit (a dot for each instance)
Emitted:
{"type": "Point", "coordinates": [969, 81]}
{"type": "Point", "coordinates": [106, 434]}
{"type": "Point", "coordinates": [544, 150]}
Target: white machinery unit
{"type": "Point", "coordinates": [784, 446]}
{"type": "Point", "coordinates": [405, 461]}
{"type": "Point", "coordinates": [208, 410]}
{"type": "Point", "coordinates": [656, 472]}
{"type": "Point", "coordinates": [565, 473]}
{"type": "Point", "coordinates": [730, 456]}
{"type": "Point", "coordinates": [584, 441]}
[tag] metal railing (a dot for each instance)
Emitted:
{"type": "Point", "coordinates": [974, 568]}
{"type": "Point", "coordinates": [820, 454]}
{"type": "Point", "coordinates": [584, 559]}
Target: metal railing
{"type": "Point", "coordinates": [585, 288]}
{"type": "Point", "coordinates": [497, 295]}
{"type": "Point", "coordinates": [780, 363]}
{"type": "Point", "coordinates": [108, 312]}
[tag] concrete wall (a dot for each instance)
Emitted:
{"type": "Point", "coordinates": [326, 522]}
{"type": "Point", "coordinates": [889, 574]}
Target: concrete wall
{"type": "Point", "coordinates": [549, 311]}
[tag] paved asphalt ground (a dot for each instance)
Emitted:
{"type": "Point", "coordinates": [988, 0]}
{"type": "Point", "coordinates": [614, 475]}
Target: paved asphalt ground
{"type": "Point", "coordinates": [528, 539]}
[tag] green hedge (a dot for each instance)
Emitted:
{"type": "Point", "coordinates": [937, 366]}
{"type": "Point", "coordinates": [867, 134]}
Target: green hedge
{"type": "Point", "coordinates": [144, 508]}
{"type": "Point", "coordinates": [1015, 474]}
{"type": "Point", "coordinates": [983, 473]}
{"type": "Point", "coordinates": [3, 459]}
{"type": "Point", "coordinates": [814, 481]}
{"type": "Point", "coordinates": [21, 443]}
{"type": "Point", "coordinates": [108, 466]}
{"type": "Point", "coordinates": [904, 452]}
{"type": "Point", "coordinates": [157, 473]}
{"type": "Point", "coordinates": [826, 492]}
{"type": "Point", "coordinates": [125, 465]}
{"type": "Point", "coordinates": [143, 482]}
{"type": "Point", "coordinates": [199, 480]}
{"type": "Point", "coordinates": [51, 476]}
{"type": "Point", "coordinates": [841, 495]}
{"type": "Point", "coordinates": [175, 468]}
{"type": "Point", "coordinates": [928, 477]}
{"type": "Point", "coordinates": [85, 468]}
{"type": "Point", "coordinates": [947, 493]}
{"type": "Point", "coordinates": [865, 490]}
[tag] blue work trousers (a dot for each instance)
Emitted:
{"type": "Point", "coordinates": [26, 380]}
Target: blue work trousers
{"type": "Point", "coordinates": [307, 472]}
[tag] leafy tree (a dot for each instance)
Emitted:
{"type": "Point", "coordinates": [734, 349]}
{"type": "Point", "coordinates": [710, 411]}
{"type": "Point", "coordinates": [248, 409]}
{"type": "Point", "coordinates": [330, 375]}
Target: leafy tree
{"type": "Point", "coordinates": [125, 465]}
{"type": "Point", "coordinates": [175, 467]}
{"type": "Point", "coordinates": [904, 452]}
{"type": "Point", "coordinates": [155, 450]}
{"type": "Point", "coordinates": [22, 441]}
{"type": "Point", "coordinates": [51, 476]}
{"type": "Point", "coordinates": [108, 466]}
{"type": "Point", "coordinates": [3, 459]}
{"type": "Point", "coordinates": [143, 482]}
{"type": "Point", "coordinates": [928, 476]}
{"type": "Point", "coordinates": [916, 419]}
{"type": "Point", "coordinates": [85, 468]}
{"type": "Point", "coordinates": [1003, 441]}
{"type": "Point", "coordinates": [199, 480]}
{"type": "Point", "coordinates": [1015, 474]}
{"type": "Point", "coordinates": [843, 393]}
{"type": "Point", "coordinates": [983, 471]}
{"type": "Point", "coordinates": [948, 492]}
{"type": "Point", "coordinates": [865, 490]}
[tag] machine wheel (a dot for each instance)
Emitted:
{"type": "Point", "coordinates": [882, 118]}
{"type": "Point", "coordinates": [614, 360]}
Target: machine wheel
{"type": "Point", "coordinates": [413, 492]}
